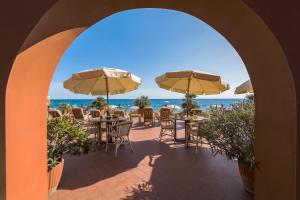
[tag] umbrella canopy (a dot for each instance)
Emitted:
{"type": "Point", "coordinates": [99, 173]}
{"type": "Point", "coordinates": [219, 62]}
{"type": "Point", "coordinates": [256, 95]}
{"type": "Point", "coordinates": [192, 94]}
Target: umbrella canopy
{"type": "Point", "coordinates": [192, 82]}
{"type": "Point", "coordinates": [102, 81]}
{"type": "Point", "coordinates": [245, 87]}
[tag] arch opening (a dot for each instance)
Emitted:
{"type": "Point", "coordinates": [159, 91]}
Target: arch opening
{"type": "Point", "coordinates": [84, 54]}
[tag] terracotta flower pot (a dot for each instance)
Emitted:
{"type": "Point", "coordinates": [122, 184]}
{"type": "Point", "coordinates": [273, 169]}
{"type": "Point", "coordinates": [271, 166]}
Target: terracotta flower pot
{"type": "Point", "coordinates": [248, 176]}
{"type": "Point", "coordinates": [54, 176]}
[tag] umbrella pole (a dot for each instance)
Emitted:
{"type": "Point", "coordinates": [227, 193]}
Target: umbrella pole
{"type": "Point", "coordinates": [107, 97]}
{"type": "Point", "coordinates": [188, 97]}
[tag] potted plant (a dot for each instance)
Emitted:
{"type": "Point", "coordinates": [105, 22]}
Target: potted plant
{"type": "Point", "coordinates": [231, 132]}
{"type": "Point", "coordinates": [63, 137]}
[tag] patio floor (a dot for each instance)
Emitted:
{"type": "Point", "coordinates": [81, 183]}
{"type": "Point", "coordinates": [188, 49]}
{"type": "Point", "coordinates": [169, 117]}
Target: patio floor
{"type": "Point", "coordinates": [155, 170]}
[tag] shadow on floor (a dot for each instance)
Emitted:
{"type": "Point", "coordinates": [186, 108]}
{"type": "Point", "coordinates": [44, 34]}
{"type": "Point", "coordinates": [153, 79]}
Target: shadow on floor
{"type": "Point", "coordinates": [177, 173]}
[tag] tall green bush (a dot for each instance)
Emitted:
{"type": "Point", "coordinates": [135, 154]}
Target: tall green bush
{"type": "Point", "coordinates": [231, 132]}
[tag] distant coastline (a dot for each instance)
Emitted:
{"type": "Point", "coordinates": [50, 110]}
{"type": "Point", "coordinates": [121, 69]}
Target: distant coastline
{"type": "Point", "coordinates": [155, 103]}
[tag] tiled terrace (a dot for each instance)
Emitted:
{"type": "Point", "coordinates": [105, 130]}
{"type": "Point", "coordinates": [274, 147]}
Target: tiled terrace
{"type": "Point", "coordinates": [155, 170]}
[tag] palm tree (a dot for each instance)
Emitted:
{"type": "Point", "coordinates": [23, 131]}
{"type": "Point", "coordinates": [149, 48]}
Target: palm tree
{"type": "Point", "coordinates": [189, 103]}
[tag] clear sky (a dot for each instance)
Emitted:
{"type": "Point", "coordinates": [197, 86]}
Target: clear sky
{"type": "Point", "coordinates": [149, 42]}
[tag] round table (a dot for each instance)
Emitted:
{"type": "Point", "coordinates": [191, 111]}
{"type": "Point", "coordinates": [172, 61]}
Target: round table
{"type": "Point", "coordinates": [186, 121]}
{"type": "Point", "coordinates": [106, 121]}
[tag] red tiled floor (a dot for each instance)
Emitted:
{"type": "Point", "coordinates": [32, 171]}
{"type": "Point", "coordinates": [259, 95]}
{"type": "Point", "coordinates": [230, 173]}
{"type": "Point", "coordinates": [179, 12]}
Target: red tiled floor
{"type": "Point", "coordinates": [155, 170]}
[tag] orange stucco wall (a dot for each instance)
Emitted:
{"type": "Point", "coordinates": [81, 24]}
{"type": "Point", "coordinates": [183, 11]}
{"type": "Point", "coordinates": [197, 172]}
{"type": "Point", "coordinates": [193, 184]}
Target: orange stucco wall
{"type": "Point", "coordinates": [26, 91]}
{"type": "Point", "coordinates": [26, 124]}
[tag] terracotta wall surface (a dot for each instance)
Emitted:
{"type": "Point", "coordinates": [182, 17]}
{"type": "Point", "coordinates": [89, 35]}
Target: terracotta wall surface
{"type": "Point", "coordinates": [28, 136]}
{"type": "Point", "coordinates": [22, 111]}
{"type": "Point", "coordinates": [283, 20]}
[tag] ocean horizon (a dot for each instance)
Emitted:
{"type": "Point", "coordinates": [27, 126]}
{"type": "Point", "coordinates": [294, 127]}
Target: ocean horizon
{"type": "Point", "coordinates": [155, 103]}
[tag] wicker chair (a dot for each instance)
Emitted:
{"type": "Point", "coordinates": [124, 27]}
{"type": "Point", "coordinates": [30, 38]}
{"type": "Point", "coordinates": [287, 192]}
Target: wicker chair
{"type": "Point", "coordinates": [148, 116]}
{"type": "Point", "coordinates": [196, 112]}
{"type": "Point", "coordinates": [95, 113]}
{"type": "Point", "coordinates": [135, 114]}
{"type": "Point", "coordinates": [78, 114]}
{"type": "Point", "coordinates": [54, 113]}
{"type": "Point", "coordinates": [167, 128]}
{"type": "Point", "coordinates": [164, 114]}
{"type": "Point", "coordinates": [119, 113]}
{"type": "Point", "coordinates": [119, 134]}
{"type": "Point", "coordinates": [194, 133]}
{"type": "Point", "coordinates": [80, 118]}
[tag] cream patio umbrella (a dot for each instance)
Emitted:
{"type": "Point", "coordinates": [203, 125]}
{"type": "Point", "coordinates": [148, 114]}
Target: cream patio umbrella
{"type": "Point", "coordinates": [245, 87]}
{"type": "Point", "coordinates": [192, 82]}
{"type": "Point", "coordinates": [102, 81]}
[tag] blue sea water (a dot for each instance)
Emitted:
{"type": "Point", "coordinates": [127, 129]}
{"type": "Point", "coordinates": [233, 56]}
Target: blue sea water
{"type": "Point", "coordinates": [155, 103]}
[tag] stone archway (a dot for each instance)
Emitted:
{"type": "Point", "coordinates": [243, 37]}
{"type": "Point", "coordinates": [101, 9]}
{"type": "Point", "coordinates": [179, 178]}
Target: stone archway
{"type": "Point", "coordinates": [40, 53]}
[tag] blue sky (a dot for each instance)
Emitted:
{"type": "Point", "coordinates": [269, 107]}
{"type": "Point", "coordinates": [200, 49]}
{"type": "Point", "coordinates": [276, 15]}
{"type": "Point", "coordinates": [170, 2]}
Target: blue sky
{"type": "Point", "coordinates": [149, 42]}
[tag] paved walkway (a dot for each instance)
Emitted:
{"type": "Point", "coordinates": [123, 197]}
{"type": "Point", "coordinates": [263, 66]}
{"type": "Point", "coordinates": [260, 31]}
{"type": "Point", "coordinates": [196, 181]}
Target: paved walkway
{"type": "Point", "coordinates": [154, 171]}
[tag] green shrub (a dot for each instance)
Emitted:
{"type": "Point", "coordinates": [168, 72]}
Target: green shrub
{"type": "Point", "coordinates": [231, 132]}
{"type": "Point", "coordinates": [142, 102]}
{"type": "Point", "coordinates": [99, 103]}
{"type": "Point", "coordinates": [64, 137]}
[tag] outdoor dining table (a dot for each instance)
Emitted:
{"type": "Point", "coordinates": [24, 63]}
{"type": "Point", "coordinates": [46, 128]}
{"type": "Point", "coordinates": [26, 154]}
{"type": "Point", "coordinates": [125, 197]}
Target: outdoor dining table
{"type": "Point", "coordinates": [107, 121]}
{"type": "Point", "coordinates": [186, 120]}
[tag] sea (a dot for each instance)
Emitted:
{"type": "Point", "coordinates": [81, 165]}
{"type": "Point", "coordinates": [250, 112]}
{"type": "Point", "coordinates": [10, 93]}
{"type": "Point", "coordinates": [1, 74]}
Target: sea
{"type": "Point", "coordinates": [156, 104]}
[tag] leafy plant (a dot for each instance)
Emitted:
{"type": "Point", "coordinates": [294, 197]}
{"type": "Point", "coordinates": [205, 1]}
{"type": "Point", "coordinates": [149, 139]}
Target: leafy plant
{"type": "Point", "coordinates": [64, 107]}
{"type": "Point", "coordinates": [142, 102]}
{"type": "Point", "coordinates": [231, 132]}
{"type": "Point", "coordinates": [250, 97]}
{"type": "Point", "coordinates": [64, 137]}
{"type": "Point", "coordinates": [99, 103]}
{"type": "Point", "coordinates": [189, 103]}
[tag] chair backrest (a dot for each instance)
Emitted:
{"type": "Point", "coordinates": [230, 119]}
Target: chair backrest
{"type": "Point", "coordinates": [165, 113]}
{"type": "Point", "coordinates": [124, 128]}
{"type": "Point", "coordinates": [119, 113]}
{"type": "Point", "coordinates": [78, 113]}
{"type": "Point", "coordinates": [54, 113]}
{"type": "Point", "coordinates": [196, 112]}
{"type": "Point", "coordinates": [148, 113]}
{"type": "Point", "coordinates": [95, 113]}
{"type": "Point", "coordinates": [140, 111]}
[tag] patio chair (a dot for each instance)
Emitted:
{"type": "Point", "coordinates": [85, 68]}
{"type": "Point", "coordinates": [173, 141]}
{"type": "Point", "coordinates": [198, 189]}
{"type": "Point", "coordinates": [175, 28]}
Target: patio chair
{"type": "Point", "coordinates": [196, 112]}
{"type": "Point", "coordinates": [54, 113]}
{"type": "Point", "coordinates": [119, 113]}
{"type": "Point", "coordinates": [119, 134]}
{"type": "Point", "coordinates": [78, 114]}
{"type": "Point", "coordinates": [94, 113]}
{"type": "Point", "coordinates": [148, 116]}
{"type": "Point", "coordinates": [167, 128]}
{"type": "Point", "coordinates": [164, 114]}
{"type": "Point", "coordinates": [135, 114]}
{"type": "Point", "coordinates": [194, 133]}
